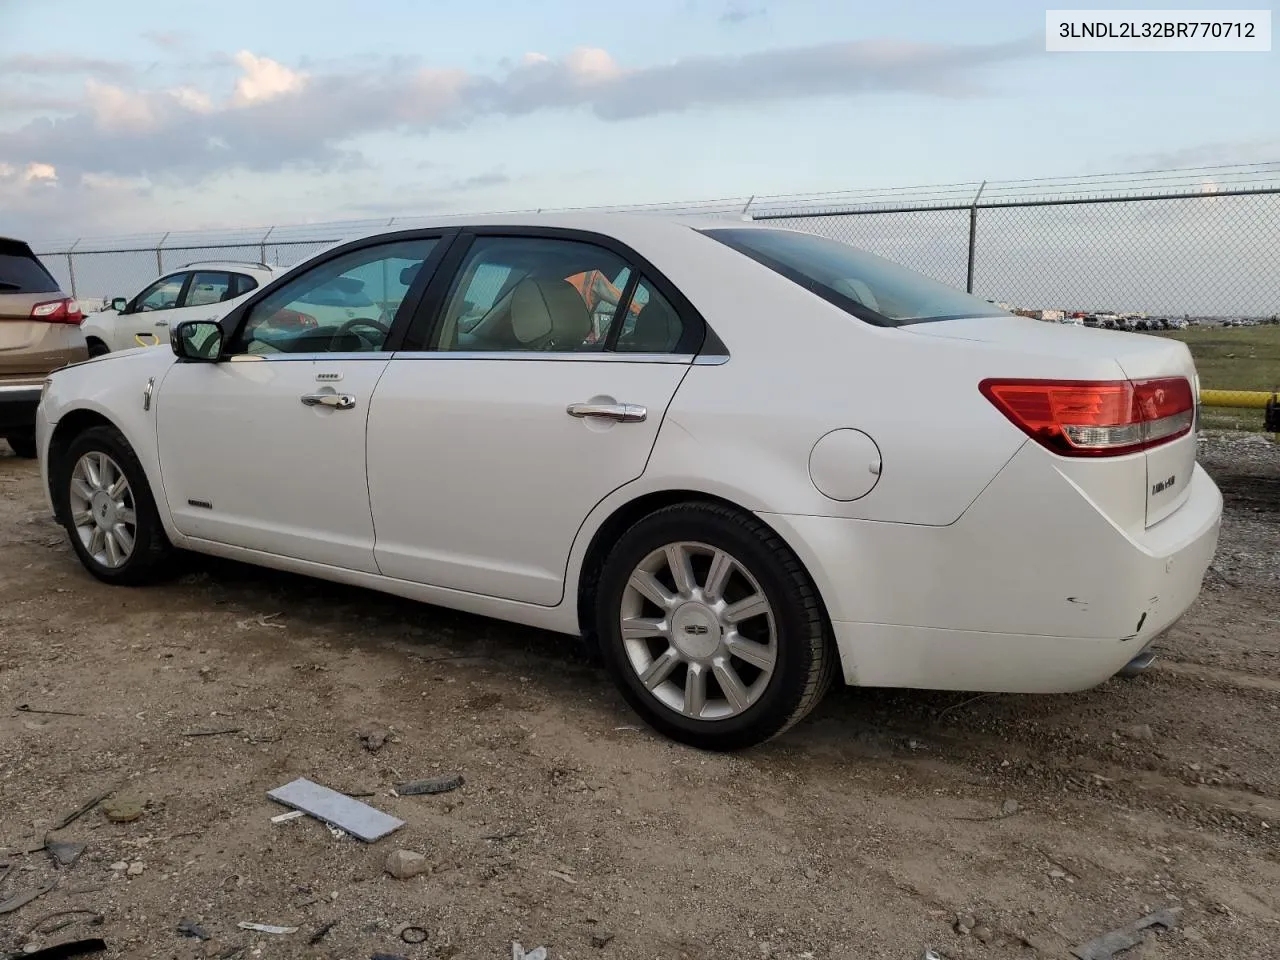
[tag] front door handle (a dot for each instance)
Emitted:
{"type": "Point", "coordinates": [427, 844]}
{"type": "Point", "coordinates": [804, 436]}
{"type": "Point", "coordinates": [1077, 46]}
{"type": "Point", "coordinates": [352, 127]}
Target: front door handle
{"type": "Point", "coordinates": [162, 323]}
{"type": "Point", "coordinates": [622, 412]}
{"type": "Point", "coordinates": [339, 401]}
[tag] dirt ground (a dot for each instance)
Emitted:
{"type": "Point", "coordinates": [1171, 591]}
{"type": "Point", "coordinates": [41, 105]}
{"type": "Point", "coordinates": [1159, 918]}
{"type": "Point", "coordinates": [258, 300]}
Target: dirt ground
{"type": "Point", "coordinates": [862, 833]}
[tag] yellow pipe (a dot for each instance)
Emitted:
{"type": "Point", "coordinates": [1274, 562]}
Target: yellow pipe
{"type": "Point", "coordinates": [1252, 399]}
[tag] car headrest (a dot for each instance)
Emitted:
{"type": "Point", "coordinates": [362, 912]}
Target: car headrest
{"type": "Point", "coordinates": [548, 313]}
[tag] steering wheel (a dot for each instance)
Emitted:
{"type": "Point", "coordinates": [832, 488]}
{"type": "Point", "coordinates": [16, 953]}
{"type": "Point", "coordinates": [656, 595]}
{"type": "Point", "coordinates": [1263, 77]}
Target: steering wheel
{"type": "Point", "coordinates": [350, 325]}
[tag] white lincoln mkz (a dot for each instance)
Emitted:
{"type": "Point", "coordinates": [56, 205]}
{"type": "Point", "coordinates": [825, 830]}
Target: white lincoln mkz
{"type": "Point", "coordinates": [734, 457]}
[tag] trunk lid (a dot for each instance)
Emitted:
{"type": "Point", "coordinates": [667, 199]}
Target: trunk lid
{"type": "Point", "coordinates": [1168, 466]}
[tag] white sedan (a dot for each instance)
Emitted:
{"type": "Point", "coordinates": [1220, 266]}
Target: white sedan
{"type": "Point", "coordinates": [777, 458]}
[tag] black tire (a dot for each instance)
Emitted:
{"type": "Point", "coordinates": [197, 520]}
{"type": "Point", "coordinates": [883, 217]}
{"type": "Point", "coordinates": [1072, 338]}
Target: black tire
{"type": "Point", "coordinates": [96, 347]}
{"type": "Point", "coordinates": [151, 550]}
{"type": "Point", "coordinates": [806, 658]}
{"type": "Point", "coordinates": [22, 444]}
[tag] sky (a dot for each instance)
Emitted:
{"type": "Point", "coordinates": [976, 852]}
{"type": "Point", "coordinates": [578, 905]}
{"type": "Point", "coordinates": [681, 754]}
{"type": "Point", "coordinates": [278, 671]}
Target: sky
{"type": "Point", "coordinates": [149, 115]}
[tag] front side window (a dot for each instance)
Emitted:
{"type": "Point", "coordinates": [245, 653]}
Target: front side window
{"type": "Point", "coordinates": [344, 305]}
{"type": "Point", "coordinates": [869, 287]}
{"type": "Point", "coordinates": [207, 288]}
{"type": "Point", "coordinates": [161, 295]}
{"type": "Point", "coordinates": [533, 294]}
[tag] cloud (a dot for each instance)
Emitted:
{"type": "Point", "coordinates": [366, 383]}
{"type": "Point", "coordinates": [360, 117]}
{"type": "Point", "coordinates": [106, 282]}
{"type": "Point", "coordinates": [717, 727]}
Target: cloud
{"type": "Point", "coordinates": [736, 13]}
{"type": "Point", "coordinates": [264, 80]}
{"type": "Point", "coordinates": [167, 40]}
{"type": "Point", "coordinates": [1263, 150]}
{"type": "Point", "coordinates": [277, 117]}
{"type": "Point", "coordinates": [59, 65]}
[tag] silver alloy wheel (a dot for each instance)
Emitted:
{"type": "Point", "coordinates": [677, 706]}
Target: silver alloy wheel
{"type": "Point", "coordinates": [103, 510]}
{"type": "Point", "coordinates": [693, 618]}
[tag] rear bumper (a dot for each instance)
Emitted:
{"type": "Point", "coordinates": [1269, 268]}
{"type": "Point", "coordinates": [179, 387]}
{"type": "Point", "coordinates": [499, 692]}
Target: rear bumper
{"type": "Point", "coordinates": [18, 408]}
{"type": "Point", "coordinates": [1033, 590]}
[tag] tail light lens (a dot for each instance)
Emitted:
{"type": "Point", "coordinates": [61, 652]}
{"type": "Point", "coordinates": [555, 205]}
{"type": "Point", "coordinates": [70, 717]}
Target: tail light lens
{"type": "Point", "coordinates": [1078, 418]}
{"type": "Point", "coordinates": [65, 310]}
{"type": "Point", "coordinates": [292, 318]}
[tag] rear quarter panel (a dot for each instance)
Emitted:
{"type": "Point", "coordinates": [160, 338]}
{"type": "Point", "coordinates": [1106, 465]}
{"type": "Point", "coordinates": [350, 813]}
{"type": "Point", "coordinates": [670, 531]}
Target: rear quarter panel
{"type": "Point", "coordinates": [800, 367]}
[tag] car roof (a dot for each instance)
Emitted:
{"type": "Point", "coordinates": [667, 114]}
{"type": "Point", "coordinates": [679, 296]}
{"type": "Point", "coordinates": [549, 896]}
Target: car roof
{"type": "Point", "coordinates": [627, 227]}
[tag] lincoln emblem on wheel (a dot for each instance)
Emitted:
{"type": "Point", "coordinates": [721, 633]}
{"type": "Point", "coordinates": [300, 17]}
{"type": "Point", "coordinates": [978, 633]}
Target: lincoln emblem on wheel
{"type": "Point", "coordinates": [714, 450]}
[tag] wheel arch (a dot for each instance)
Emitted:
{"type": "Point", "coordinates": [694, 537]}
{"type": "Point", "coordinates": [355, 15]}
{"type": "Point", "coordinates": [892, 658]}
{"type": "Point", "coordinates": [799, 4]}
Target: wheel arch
{"type": "Point", "coordinates": [72, 423]}
{"type": "Point", "coordinates": [627, 514]}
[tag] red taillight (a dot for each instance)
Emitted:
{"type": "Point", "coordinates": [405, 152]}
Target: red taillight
{"type": "Point", "coordinates": [65, 310]}
{"type": "Point", "coordinates": [292, 318]}
{"type": "Point", "coordinates": [1079, 418]}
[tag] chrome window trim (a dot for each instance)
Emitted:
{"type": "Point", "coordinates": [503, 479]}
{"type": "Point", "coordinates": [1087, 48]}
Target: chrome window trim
{"type": "Point", "coordinates": [699, 360]}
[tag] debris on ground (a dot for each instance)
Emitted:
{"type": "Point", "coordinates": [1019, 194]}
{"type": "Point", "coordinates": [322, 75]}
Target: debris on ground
{"type": "Point", "coordinates": [20, 900]}
{"type": "Point", "coordinates": [518, 952]}
{"type": "Point", "coordinates": [189, 928]}
{"type": "Point", "coordinates": [219, 732]}
{"type": "Point", "coordinates": [266, 928]}
{"type": "Point", "coordinates": [336, 809]}
{"type": "Point", "coordinates": [66, 918]}
{"type": "Point", "coordinates": [373, 739]}
{"type": "Point", "coordinates": [79, 812]}
{"type": "Point", "coordinates": [601, 939]}
{"type": "Point", "coordinates": [405, 864]}
{"type": "Point", "coordinates": [322, 932]}
{"type": "Point", "coordinates": [441, 784]}
{"type": "Point", "coordinates": [76, 948]}
{"type": "Point", "coordinates": [388, 956]}
{"type": "Point", "coordinates": [1140, 731]}
{"type": "Point", "coordinates": [123, 808]}
{"type": "Point", "coordinates": [286, 817]}
{"type": "Point", "coordinates": [65, 853]}
{"type": "Point", "coordinates": [412, 934]}
{"type": "Point", "coordinates": [1109, 944]}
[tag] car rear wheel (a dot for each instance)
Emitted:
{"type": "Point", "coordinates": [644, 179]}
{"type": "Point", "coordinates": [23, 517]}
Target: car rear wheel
{"type": "Point", "coordinates": [96, 347]}
{"type": "Point", "coordinates": [107, 508]}
{"type": "Point", "coordinates": [22, 444]}
{"type": "Point", "coordinates": [711, 627]}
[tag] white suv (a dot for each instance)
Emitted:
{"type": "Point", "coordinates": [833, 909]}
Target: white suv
{"type": "Point", "coordinates": [197, 291]}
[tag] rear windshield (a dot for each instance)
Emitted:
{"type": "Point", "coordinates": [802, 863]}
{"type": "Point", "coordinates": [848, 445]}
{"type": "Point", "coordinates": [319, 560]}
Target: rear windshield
{"type": "Point", "coordinates": [867, 286]}
{"type": "Point", "coordinates": [21, 272]}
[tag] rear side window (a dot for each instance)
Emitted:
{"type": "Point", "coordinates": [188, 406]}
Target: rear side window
{"type": "Point", "coordinates": [241, 284]}
{"type": "Point", "coordinates": [22, 272]}
{"type": "Point", "coordinates": [207, 288]}
{"type": "Point", "coordinates": [869, 287]}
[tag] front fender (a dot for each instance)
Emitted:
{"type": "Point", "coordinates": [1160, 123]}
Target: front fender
{"type": "Point", "coordinates": [115, 388]}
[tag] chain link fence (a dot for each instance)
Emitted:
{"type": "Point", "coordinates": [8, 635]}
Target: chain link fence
{"type": "Point", "coordinates": [1203, 242]}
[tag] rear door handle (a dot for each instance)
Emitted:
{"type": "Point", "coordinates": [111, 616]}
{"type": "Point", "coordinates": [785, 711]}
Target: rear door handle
{"type": "Point", "coordinates": [339, 401]}
{"type": "Point", "coordinates": [622, 412]}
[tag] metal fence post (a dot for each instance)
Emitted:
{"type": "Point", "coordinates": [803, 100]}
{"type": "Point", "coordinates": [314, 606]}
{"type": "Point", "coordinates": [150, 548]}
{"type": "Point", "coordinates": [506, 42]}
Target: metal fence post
{"type": "Point", "coordinates": [973, 234]}
{"type": "Point", "coordinates": [71, 268]}
{"type": "Point", "coordinates": [159, 253]}
{"type": "Point", "coordinates": [262, 245]}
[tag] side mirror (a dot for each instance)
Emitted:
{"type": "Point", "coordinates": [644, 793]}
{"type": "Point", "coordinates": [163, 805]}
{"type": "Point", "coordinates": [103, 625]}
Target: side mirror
{"type": "Point", "coordinates": [118, 304]}
{"type": "Point", "coordinates": [197, 341]}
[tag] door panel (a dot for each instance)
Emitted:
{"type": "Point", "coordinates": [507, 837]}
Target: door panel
{"type": "Point", "coordinates": [479, 478]}
{"type": "Point", "coordinates": [246, 461]}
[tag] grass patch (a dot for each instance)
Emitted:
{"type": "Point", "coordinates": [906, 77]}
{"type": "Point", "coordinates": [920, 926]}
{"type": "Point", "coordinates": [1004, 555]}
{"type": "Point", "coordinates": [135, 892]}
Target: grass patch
{"type": "Point", "coordinates": [1234, 358]}
{"type": "Point", "coordinates": [1231, 418]}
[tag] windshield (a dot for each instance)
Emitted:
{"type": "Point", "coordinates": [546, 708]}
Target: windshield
{"type": "Point", "coordinates": [869, 287]}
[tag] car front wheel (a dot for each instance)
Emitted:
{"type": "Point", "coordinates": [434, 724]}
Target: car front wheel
{"type": "Point", "coordinates": [107, 508]}
{"type": "Point", "coordinates": [712, 628]}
